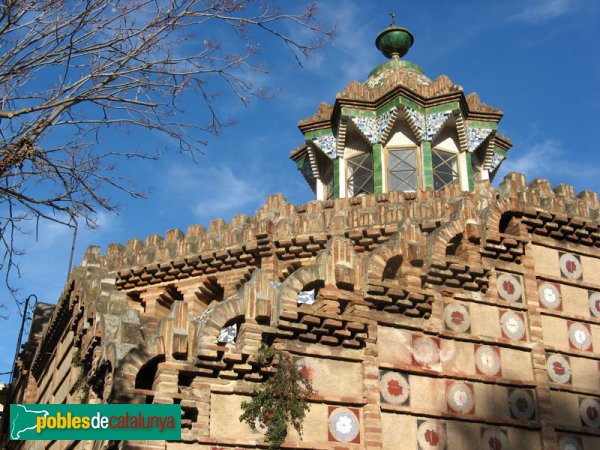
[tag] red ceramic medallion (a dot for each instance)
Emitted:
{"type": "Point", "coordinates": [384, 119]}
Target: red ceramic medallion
{"type": "Point", "coordinates": [394, 388]}
{"type": "Point", "coordinates": [431, 435]}
{"type": "Point", "coordinates": [509, 287]}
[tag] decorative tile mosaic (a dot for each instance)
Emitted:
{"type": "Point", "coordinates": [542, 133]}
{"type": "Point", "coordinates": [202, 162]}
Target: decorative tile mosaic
{"type": "Point", "coordinates": [374, 128]}
{"type": "Point", "coordinates": [521, 404]}
{"type": "Point", "coordinates": [589, 409]}
{"type": "Point", "coordinates": [419, 121]}
{"type": "Point", "coordinates": [367, 127]}
{"type": "Point", "coordinates": [594, 303]}
{"type": "Point", "coordinates": [513, 325]}
{"type": "Point", "coordinates": [306, 169]}
{"type": "Point", "coordinates": [487, 360]}
{"type": "Point", "coordinates": [496, 161]}
{"type": "Point", "coordinates": [379, 79]}
{"type": "Point", "coordinates": [509, 287]}
{"type": "Point", "coordinates": [425, 350]}
{"type": "Point", "coordinates": [558, 368]}
{"type": "Point", "coordinates": [382, 75]}
{"type": "Point", "coordinates": [475, 136]}
{"type": "Point", "coordinates": [570, 266]}
{"type": "Point", "coordinates": [428, 125]}
{"type": "Point", "coordinates": [550, 295]}
{"type": "Point", "coordinates": [394, 388]}
{"type": "Point", "coordinates": [306, 297]}
{"type": "Point", "coordinates": [344, 425]}
{"type": "Point", "coordinates": [494, 439]}
{"type": "Point", "coordinates": [460, 397]}
{"type": "Point", "coordinates": [431, 435]}
{"type": "Point", "coordinates": [227, 334]}
{"type": "Point", "coordinates": [435, 122]}
{"type": "Point", "coordinates": [569, 443]}
{"type": "Point", "coordinates": [383, 121]}
{"type": "Point", "coordinates": [327, 144]}
{"type": "Point", "coordinates": [457, 318]}
{"type": "Point", "coordinates": [580, 336]}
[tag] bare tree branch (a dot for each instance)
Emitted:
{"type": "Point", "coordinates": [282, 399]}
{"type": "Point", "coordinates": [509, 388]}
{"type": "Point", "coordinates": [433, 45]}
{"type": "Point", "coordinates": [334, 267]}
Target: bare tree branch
{"type": "Point", "coordinates": [78, 68]}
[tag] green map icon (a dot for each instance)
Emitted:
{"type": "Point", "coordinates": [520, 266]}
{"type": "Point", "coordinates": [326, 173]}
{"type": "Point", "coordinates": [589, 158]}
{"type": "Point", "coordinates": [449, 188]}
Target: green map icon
{"type": "Point", "coordinates": [23, 420]}
{"type": "Point", "coordinates": [75, 422]}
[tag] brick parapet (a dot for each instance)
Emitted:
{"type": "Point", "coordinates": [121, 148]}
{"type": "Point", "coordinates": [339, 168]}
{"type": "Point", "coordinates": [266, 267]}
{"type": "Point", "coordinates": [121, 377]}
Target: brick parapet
{"type": "Point", "coordinates": [391, 261]}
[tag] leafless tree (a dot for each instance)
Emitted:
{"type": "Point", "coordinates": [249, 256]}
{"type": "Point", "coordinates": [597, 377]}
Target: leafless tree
{"type": "Point", "coordinates": [72, 69]}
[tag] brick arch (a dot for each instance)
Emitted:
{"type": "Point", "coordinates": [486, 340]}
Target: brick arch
{"type": "Point", "coordinates": [397, 247]}
{"type": "Point", "coordinates": [378, 260]}
{"type": "Point", "coordinates": [493, 215]}
{"type": "Point", "coordinates": [443, 236]}
{"type": "Point", "coordinates": [214, 319]}
{"type": "Point", "coordinates": [328, 269]}
{"type": "Point", "coordinates": [245, 304]}
{"type": "Point", "coordinates": [129, 366]}
{"type": "Point", "coordinates": [292, 285]}
{"type": "Point", "coordinates": [440, 238]}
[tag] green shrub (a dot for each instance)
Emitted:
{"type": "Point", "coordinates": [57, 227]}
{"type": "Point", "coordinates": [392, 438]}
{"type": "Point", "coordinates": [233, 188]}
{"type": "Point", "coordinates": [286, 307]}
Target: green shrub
{"type": "Point", "coordinates": [281, 400]}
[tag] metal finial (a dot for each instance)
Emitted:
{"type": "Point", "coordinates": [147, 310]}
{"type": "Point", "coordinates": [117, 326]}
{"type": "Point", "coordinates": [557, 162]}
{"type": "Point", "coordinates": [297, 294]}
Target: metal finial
{"type": "Point", "coordinates": [393, 18]}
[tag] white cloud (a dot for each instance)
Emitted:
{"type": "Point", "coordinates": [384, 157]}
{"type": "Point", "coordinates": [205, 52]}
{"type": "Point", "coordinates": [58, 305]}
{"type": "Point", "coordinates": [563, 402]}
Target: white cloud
{"type": "Point", "coordinates": [550, 160]}
{"type": "Point", "coordinates": [536, 11]}
{"type": "Point", "coordinates": [352, 52]}
{"type": "Point", "coordinates": [231, 194]}
{"type": "Point", "coordinates": [540, 157]}
{"type": "Point", "coordinates": [214, 192]}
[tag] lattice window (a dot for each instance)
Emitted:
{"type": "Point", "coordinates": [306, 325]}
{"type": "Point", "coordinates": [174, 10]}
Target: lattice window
{"type": "Point", "coordinates": [360, 175]}
{"type": "Point", "coordinates": [445, 168]}
{"type": "Point", "coordinates": [402, 169]}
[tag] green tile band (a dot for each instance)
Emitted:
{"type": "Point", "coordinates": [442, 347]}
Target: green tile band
{"type": "Point", "coordinates": [470, 171]}
{"type": "Point", "coordinates": [482, 124]}
{"type": "Point", "coordinates": [443, 108]}
{"type": "Point", "coordinates": [300, 162]}
{"type": "Point", "coordinates": [313, 134]}
{"type": "Point", "coordinates": [500, 151]}
{"type": "Point", "coordinates": [357, 112]}
{"type": "Point", "coordinates": [427, 164]}
{"type": "Point", "coordinates": [378, 168]}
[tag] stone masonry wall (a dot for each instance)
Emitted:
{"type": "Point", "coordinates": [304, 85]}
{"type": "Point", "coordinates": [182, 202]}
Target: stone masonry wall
{"type": "Point", "coordinates": [441, 320]}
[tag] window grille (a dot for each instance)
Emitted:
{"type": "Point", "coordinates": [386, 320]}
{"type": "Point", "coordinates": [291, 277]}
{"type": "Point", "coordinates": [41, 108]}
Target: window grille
{"type": "Point", "coordinates": [402, 169]}
{"type": "Point", "coordinates": [360, 175]}
{"type": "Point", "coordinates": [445, 168]}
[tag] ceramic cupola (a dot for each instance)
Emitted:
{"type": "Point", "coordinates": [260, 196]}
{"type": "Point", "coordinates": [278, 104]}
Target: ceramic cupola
{"type": "Point", "coordinates": [399, 131]}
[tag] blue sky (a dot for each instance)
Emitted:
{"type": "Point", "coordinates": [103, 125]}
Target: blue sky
{"type": "Point", "coordinates": [537, 60]}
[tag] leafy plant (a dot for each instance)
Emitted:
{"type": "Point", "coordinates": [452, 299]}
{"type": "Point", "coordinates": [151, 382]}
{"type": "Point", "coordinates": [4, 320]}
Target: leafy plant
{"type": "Point", "coordinates": [281, 400]}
